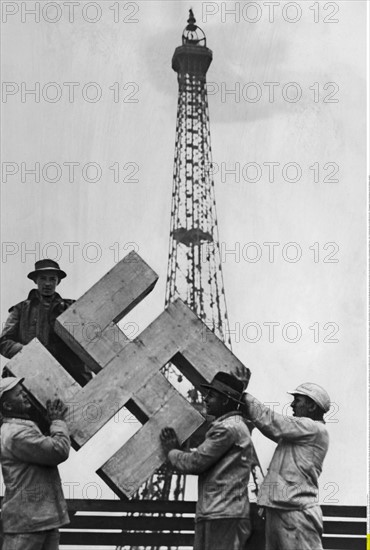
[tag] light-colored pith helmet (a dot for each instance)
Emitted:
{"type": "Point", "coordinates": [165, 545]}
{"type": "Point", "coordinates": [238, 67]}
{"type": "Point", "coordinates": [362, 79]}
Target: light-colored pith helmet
{"type": "Point", "coordinates": [315, 392]}
{"type": "Point", "coordinates": [9, 383]}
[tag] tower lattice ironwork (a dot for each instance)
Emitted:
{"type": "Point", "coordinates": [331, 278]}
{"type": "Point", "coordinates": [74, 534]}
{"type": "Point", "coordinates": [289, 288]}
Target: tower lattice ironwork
{"type": "Point", "coordinates": [194, 264]}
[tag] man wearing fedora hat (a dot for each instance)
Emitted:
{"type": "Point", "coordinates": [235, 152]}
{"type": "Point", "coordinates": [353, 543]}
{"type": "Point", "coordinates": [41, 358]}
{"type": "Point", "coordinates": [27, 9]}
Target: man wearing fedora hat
{"type": "Point", "coordinates": [35, 317]}
{"type": "Point", "coordinates": [223, 463]}
{"type": "Point", "coordinates": [33, 506]}
{"type": "Point", "coordinates": [289, 491]}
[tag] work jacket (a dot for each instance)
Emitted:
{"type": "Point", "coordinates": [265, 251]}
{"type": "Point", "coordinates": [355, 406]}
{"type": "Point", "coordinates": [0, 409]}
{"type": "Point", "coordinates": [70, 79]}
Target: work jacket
{"type": "Point", "coordinates": [30, 319]}
{"type": "Point", "coordinates": [223, 463]}
{"type": "Point", "coordinates": [302, 443]}
{"type": "Point", "coordinates": [33, 499]}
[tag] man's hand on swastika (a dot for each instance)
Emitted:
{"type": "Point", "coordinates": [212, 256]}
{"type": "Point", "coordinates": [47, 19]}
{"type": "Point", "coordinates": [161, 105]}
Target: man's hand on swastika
{"type": "Point", "coordinates": [169, 440]}
{"type": "Point", "coordinates": [244, 374]}
{"type": "Point", "coordinates": [56, 410]}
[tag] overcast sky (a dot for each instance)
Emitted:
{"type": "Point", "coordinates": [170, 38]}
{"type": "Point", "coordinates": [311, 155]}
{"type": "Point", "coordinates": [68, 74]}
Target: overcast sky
{"type": "Point", "coordinates": [292, 216]}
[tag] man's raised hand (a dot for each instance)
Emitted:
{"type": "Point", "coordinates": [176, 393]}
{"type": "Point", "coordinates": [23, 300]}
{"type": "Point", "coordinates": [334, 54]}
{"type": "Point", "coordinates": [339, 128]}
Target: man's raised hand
{"type": "Point", "coordinates": [169, 440]}
{"type": "Point", "coordinates": [56, 410]}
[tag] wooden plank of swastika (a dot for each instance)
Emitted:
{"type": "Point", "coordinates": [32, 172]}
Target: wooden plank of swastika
{"type": "Point", "coordinates": [45, 378]}
{"type": "Point", "coordinates": [129, 372]}
{"type": "Point", "coordinates": [101, 307]}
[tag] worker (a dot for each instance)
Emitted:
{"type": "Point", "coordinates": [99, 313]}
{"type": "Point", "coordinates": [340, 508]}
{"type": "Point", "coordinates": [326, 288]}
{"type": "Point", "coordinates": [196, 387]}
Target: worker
{"type": "Point", "coordinates": [33, 506]}
{"type": "Point", "coordinates": [289, 492]}
{"type": "Point", "coordinates": [35, 317]}
{"type": "Point", "coordinates": [223, 463]}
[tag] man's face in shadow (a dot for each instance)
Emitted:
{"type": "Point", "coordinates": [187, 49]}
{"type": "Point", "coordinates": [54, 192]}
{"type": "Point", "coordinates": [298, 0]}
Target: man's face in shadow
{"type": "Point", "coordinates": [47, 283]}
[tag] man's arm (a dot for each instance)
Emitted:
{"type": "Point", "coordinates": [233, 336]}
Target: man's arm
{"type": "Point", "coordinates": [276, 426]}
{"type": "Point", "coordinates": [30, 445]}
{"type": "Point", "coordinates": [9, 345]}
{"type": "Point", "coordinates": [218, 441]}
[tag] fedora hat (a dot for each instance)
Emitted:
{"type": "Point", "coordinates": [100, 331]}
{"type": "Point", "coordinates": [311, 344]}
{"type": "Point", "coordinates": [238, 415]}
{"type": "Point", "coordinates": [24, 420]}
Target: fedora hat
{"type": "Point", "coordinates": [46, 265]}
{"type": "Point", "coordinates": [227, 384]}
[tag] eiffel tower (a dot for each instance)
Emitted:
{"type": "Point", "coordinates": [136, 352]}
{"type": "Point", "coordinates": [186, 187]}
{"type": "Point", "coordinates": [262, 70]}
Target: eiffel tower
{"type": "Point", "coordinates": [194, 270]}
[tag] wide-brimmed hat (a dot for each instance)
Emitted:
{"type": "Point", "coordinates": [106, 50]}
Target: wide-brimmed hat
{"type": "Point", "coordinates": [46, 265]}
{"type": "Point", "coordinates": [315, 392]}
{"type": "Point", "coordinates": [8, 383]}
{"type": "Point", "coordinates": [226, 384]}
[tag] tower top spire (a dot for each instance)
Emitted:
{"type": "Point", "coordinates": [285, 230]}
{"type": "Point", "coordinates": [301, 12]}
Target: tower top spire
{"type": "Point", "coordinates": [191, 21]}
{"type": "Point", "coordinates": [192, 33]}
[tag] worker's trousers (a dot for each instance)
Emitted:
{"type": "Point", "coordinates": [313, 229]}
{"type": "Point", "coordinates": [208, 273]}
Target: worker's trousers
{"type": "Point", "coordinates": [222, 534]}
{"type": "Point", "coordinates": [41, 540]}
{"type": "Point", "coordinates": [294, 530]}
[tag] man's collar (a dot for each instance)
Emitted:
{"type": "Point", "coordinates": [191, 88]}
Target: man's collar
{"type": "Point", "coordinates": [224, 416]}
{"type": "Point", "coordinates": [34, 295]}
{"type": "Point", "coordinates": [16, 420]}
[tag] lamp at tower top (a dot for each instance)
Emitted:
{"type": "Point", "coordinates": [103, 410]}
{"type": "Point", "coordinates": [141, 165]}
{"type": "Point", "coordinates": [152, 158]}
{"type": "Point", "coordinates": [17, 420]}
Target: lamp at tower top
{"type": "Point", "coordinates": [193, 57]}
{"type": "Point", "coordinates": [192, 33]}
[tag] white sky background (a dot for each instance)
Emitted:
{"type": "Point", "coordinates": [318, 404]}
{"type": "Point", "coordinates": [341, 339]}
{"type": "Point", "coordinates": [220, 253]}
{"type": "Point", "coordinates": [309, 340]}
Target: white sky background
{"type": "Point", "coordinates": [305, 132]}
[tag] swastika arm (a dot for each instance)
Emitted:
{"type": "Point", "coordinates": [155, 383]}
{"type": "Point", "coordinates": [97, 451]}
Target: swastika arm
{"type": "Point", "coordinates": [84, 326]}
{"type": "Point", "coordinates": [44, 377]}
{"type": "Point", "coordinates": [131, 465]}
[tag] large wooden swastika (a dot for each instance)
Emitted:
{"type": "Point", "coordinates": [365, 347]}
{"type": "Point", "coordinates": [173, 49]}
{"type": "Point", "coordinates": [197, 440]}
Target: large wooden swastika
{"type": "Point", "coordinates": [128, 372]}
